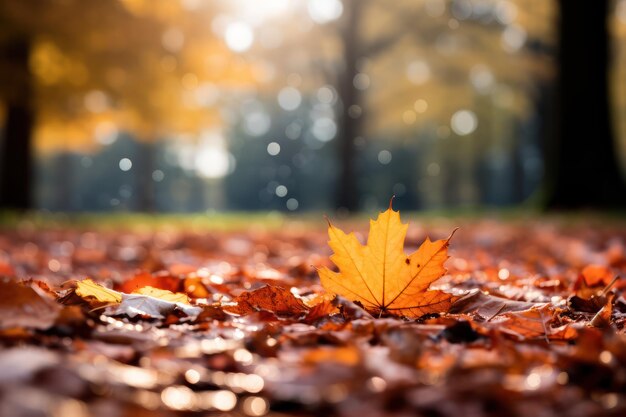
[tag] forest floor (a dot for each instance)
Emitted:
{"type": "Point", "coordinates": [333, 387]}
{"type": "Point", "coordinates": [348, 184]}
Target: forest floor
{"type": "Point", "coordinates": [538, 330]}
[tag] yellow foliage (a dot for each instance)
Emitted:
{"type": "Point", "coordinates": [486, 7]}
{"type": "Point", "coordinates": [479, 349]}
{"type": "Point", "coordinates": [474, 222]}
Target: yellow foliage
{"type": "Point", "coordinates": [173, 297]}
{"type": "Point", "coordinates": [380, 276]}
{"type": "Point", "coordinates": [89, 289]}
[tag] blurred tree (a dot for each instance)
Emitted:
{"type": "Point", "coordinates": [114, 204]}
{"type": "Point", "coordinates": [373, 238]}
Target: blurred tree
{"type": "Point", "coordinates": [349, 95]}
{"type": "Point", "coordinates": [582, 163]}
{"type": "Point", "coordinates": [80, 69]}
{"type": "Point", "coordinates": [46, 81]}
{"type": "Point", "coordinates": [447, 55]}
{"type": "Point", "coordinates": [396, 70]}
{"type": "Point", "coordinates": [17, 94]}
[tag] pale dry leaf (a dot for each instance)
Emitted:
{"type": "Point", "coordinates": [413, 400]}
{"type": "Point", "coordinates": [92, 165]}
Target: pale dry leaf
{"type": "Point", "coordinates": [144, 305]}
{"type": "Point", "coordinates": [147, 301]}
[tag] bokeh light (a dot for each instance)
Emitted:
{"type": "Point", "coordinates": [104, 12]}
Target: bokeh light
{"type": "Point", "coordinates": [324, 11]}
{"type": "Point", "coordinates": [464, 122]}
{"type": "Point", "coordinates": [239, 36]}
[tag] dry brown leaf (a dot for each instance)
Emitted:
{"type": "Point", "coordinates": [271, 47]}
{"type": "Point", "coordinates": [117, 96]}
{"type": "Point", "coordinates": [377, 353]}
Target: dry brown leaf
{"type": "Point", "coordinates": [323, 309]}
{"type": "Point", "coordinates": [534, 323]}
{"type": "Point", "coordinates": [597, 275]}
{"type": "Point", "coordinates": [277, 300]}
{"type": "Point", "coordinates": [488, 306]}
{"type": "Point", "coordinates": [380, 276]}
{"type": "Point", "coordinates": [25, 306]}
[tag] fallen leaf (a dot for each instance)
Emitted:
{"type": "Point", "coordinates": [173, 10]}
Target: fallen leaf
{"type": "Point", "coordinates": [25, 306]}
{"type": "Point", "coordinates": [323, 309]}
{"type": "Point", "coordinates": [488, 306]}
{"type": "Point", "coordinates": [597, 275]}
{"type": "Point", "coordinates": [209, 313]}
{"type": "Point", "coordinates": [163, 295]}
{"type": "Point", "coordinates": [147, 301]}
{"type": "Point", "coordinates": [277, 300]}
{"type": "Point", "coordinates": [96, 293]}
{"type": "Point", "coordinates": [594, 281]}
{"type": "Point", "coordinates": [380, 276]}
{"type": "Point", "coordinates": [588, 298]}
{"type": "Point", "coordinates": [588, 305]}
{"type": "Point", "coordinates": [133, 305]}
{"type": "Point", "coordinates": [318, 299]}
{"type": "Point", "coordinates": [533, 323]}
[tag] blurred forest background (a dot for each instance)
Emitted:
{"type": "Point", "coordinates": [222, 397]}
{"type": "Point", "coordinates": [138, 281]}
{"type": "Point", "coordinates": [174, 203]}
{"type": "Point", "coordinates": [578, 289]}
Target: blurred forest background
{"type": "Point", "coordinates": [296, 105]}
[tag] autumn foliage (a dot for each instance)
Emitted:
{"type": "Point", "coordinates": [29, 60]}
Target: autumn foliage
{"type": "Point", "coordinates": [521, 317]}
{"type": "Point", "coordinates": [381, 277]}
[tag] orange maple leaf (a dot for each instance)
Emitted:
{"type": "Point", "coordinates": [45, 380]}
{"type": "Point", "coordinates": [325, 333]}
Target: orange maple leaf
{"type": "Point", "coordinates": [380, 276]}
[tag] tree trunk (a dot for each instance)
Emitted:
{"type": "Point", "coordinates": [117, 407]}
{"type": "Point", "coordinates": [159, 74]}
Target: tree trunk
{"type": "Point", "coordinates": [144, 184]}
{"type": "Point", "coordinates": [16, 153]}
{"type": "Point", "coordinates": [349, 127]}
{"type": "Point", "coordinates": [582, 166]}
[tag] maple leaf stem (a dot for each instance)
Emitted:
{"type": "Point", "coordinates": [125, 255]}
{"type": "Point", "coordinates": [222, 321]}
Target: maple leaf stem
{"type": "Point", "coordinates": [328, 221]}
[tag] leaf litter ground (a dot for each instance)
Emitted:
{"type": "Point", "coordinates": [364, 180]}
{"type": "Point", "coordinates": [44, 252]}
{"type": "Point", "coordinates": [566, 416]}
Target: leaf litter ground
{"type": "Point", "coordinates": [237, 323]}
